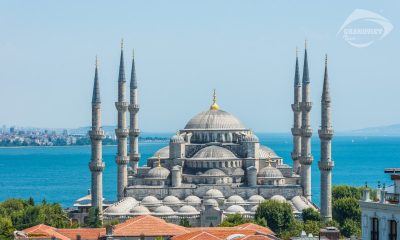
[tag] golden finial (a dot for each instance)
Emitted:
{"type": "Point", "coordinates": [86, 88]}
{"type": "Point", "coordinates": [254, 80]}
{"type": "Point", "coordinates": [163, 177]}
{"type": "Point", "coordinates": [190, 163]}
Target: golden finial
{"type": "Point", "coordinates": [214, 106]}
{"type": "Point", "coordinates": [122, 43]}
{"type": "Point", "coordinates": [158, 161]}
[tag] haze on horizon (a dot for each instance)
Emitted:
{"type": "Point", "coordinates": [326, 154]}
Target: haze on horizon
{"type": "Point", "coordinates": [183, 50]}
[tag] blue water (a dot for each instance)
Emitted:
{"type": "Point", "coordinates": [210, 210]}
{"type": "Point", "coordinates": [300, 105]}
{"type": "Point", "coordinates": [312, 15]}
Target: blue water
{"type": "Point", "coordinates": [61, 174]}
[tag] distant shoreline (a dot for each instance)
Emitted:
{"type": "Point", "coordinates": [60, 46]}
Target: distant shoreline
{"type": "Point", "coordinates": [84, 145]}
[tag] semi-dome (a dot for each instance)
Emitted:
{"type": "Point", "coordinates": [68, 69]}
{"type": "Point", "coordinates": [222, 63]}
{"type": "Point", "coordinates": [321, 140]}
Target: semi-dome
{"type": "Point", "coordinates": [150, 200]}
{"type": "Point", "coordinates": [192, 200]}
{"type": "Point", "coordinates": [176, 139]}
{"type": "Point", "coordinates": [238, 172]}
{"type": "Point", "coordinates": [270, 172]}
{"type": "Point", "coordinates": [171, 200]}
{"type": "Point", "coordinates": [214, 193]}
{"type": "Point", "coordinates": [214, 173]}
{"type": "Point", "coordinates": [279, 198]}
{"type": "Point", "coordinates": [235, 199]}
{"type": "Point", "coordinates": [256, 199]}
{"type": "Point", "coordinates": [250, 138]}
{"type": "Point", "coordinates": [162, 153]}
{"type": "Point", "coordinates": [214, 152]}
{"type": "Point", "coordinates": [140, 210]}
{"type": "Point", "coordinates": [214, 120]}
{"type": "Point", "coordinates": [187, 210]}
{"type": "Point", "coordinates": [158, 172]}
{"type": "Point", "coordinates": [121, 207]}
{"type": "Point", "coordinates": [164, 210]}
{"type": "Point", "coordinates": [235, 209]}
{"type": "Point", "coordinates": [266, 152]}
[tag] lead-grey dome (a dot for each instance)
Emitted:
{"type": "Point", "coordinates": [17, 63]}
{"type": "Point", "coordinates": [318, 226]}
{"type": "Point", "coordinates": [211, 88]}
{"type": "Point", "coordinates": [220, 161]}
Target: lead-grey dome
{"type": "Point", "coordinates": [187, 210]}
{"type": "Point", "coordinates": [214, 173]}
{"type": "Point", "coordinates": [158, 173]}
{"type": "Point", "coordinates": [266, 152]}
{"type": "Point", "coordinates": [140, 210]}
{"type": "Point", "coordinates": [235, 199]}
{"type": "Point", "coordinates": [270, 172]}
{"type": "Point", "coordinates": [214, 152]}
{"type": "Point", "coordinates": [162, 152]}
{"type": "Point", "coordinates": [214, 193]}
{"type": "Point", "coordinates": [235, 209]}
{"type": "Point", "coordinates": [192, 200]}
{"type": "Point", "coordinates": [214, 119]}
{"type": "Point", "coordinates": [164, 210]}
{"type": "Point", "coordinates": [171, 200]}
{"type": "Point", "coordinates": [250, 138]}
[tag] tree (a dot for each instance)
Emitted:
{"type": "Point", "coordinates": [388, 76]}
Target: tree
{"type": "Point", "coordinates": [309, 214]}
{"type": "Point", "coordinates": [6, 228]}
{"type": "Point", "coordinates": [234, 220]}
{"type": "Point", "coordinates": [184, 222]}
{"type": "Point", "coordinates": [279, 216]}
{"type": "Point", "coordinates": [343, 191]}
{"type": "Point", "coordinates": [346, 208]}
{"type": "Point", "coordinates": [351, 227]}
{"type": "Point", "coordinates": [312, 227]}
{"type": "Point", "coordinates": [94, 220]}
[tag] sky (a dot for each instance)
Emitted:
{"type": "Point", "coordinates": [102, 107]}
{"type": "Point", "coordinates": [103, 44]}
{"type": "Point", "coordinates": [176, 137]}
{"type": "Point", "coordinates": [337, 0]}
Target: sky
{"type": "Point", "coordinates": [185, 49]}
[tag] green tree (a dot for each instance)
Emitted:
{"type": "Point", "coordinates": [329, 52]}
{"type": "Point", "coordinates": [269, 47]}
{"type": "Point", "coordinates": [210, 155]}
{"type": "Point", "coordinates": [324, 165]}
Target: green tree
{"type": "Point", "coordinates": [312, 227]}
{"type": "Point", "coordinates": [351, 227]}
{"type": "Point", "coordinates": [6, 228]}
{"type": "Point", "coordinates": [346, 208]}
{"type": "Point", "coordinates": [234, 220]}
{"type": "Point", "coordinates": [279, 216]}
{"type": "Point", "coordinates": [94, 220]}
{"type": "Point", "coordinates": [309, 214]}
{"type": "Point", "coordinates": [184, 222]}
{"type": "Point", "coordinates": [343, 191]}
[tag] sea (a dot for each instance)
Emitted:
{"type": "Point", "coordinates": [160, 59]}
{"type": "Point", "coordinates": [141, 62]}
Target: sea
{"type": "Point", "coordinates": [61, 174]}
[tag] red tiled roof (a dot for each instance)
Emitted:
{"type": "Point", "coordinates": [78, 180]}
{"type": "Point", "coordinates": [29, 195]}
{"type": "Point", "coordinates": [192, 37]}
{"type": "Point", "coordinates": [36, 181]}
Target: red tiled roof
{"type": "Point", "coordinates": [43, 231]}
{"type": "Point", "coordinates": [85, 233]}
{"type": "Point", "coordinates": [255, 227]}
{"type": "Point", "coordinates": [255, 237]}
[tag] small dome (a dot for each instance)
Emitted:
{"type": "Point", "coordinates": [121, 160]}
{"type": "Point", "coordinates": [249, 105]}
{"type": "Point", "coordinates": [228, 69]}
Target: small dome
{"type": "Point", "coordinates": [121, 207]}
{"type": "Point", "coordinates": [214, 193]}
{"type": "Point", "coordinates": [187, 210]}
{"type": "Point", "coordinates": [171, 200]}
{"type": "Point", "coordinates": [270, 172]}
{"type": "Point", "coordinates": [150, 200]}
{"type": "Point", "coordinates": [214, 173]}
{"type": "Point", "coordinates": [164, 210]}
{"type": "Point", "coordinates": [158, 173]}
{"type": "Point", "coordinates": [279, 198]}
{"type": "Point", "coordinates": [192, 200]}
{"type": "Point", "coordinates": [236, 199]}
{"type": "Point", "coordinates": [216, 120]}
{"type": "Point", "coordinates": [211, 202]}
{"type": "Point", "coordinates": [235, 209]}
{"type": "Point", "coordinates": [251, 138]}
{"type": "Point", "coordinates": [266, 152]}
{"type": "Point", "coordinates": [238, 172]}
{"type": "Point", "coordinates": [214, 152]}
{"type": "Point", "coordinates": [254, 209]}
{"type": "Point", "coordinates": [163, 153]}
{"type": "Point", "coordinates": [176, 139]}
{"type": "Point", "coordinates": [140, 210]}
{"type": "Point", "coordinates": [256, 199]}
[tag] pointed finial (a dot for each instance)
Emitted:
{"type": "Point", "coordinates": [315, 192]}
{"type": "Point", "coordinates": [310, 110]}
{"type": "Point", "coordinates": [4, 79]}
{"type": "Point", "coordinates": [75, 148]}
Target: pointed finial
{"type": "Point", "coordinates": [122, 43]}
{"type": "Point", "coordinates": [305, 43]}
{"type": "Point", "coordinates": [97, 62]}
{"type": "Point", "coordinates": [133, 53]}
{"type": "Point", "coordinates": [326, 60]}
{"type": "Point", "coordinates": [158, 160]}
{"type": "Point", "coordinates": [214, 106]}
{"type": "Point", "coordinates": [297, 52]}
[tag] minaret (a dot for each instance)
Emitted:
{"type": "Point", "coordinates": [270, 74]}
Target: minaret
{"type": "Point", "coordinates": [134, 131]}
{"type": "Point", "coordinates": [325, 135]}
{"type": "Point", "coordinates": [306, 158]}
{"type": "Point", "coordinates": [296, 130]}
{"type": "Point", "coordinates": [122, 131]}
{"type": "Point", "coordinates": [96, 164]}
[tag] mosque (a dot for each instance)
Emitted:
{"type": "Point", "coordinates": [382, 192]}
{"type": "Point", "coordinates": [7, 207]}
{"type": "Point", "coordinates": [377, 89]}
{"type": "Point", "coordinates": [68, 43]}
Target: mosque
{"type": "Point", "coordinates": [213, 167]}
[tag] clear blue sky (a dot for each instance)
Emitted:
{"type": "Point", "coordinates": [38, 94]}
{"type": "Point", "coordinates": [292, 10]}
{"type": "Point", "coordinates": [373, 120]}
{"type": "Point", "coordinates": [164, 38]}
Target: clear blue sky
{"type": "Point", "coordinates": [244, 49]}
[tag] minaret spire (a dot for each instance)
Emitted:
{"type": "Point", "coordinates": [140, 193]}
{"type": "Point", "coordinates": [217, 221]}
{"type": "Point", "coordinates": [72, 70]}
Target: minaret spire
{"type": "Point", "coordinates": [134, 155]}
{"type": "Point", "coordinates": [122, 131]}
{"type": "Point", "coordinates": [306, 158]}
{"type": "Point", "coordinates": [296, 130]}
{"type": "Point", "coordinates": [214, 105]}
{"type": "Point", "coordinates": [325, 135]}
{"type": "Point", "coordinates": [96, 164]}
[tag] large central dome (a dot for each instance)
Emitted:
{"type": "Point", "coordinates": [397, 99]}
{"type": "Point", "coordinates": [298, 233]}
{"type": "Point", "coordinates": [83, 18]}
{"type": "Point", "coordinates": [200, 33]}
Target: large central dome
{"type": "Point", "coordinates": [214, 119]}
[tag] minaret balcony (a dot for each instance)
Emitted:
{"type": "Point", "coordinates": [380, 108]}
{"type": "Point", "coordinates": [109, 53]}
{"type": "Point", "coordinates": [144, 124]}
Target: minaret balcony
{"type": "Point", "coordinates": [306, 160]}
{"type": "Point", "coordinates": [306, 106]}
{"type": "Point", "coordinates": [96, 134]}
{"type": "Point", "coordinates": [122, 160]}
{"type": "Point", "coordinates": [325, 133]}
{"type": "Point", "coordinates": [122, 106]}
{"type": "Point", "coordinates": [134, 132]}
{"type": "Point", "coordinates": [326, 165]}
{"type": "Point", "coordinates": [296, 131]}
{"type": "Point", "coordinates": [296, 107]}
{"type": "Point", "coordinates": [96, 166]}
{"type": "Point", "coordinates": [135, 157]}
{"type": "Point", "coordinates": [296, 155]}
{"type": "Point", "coordinates": [306, 132]}
{"type": "Point", "coordinates": [134, 108]}
{"type": "Point", "coordinates": [122, 132]}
